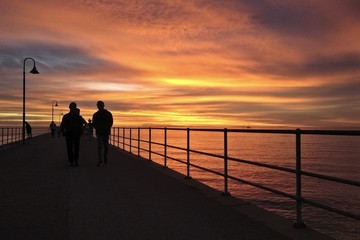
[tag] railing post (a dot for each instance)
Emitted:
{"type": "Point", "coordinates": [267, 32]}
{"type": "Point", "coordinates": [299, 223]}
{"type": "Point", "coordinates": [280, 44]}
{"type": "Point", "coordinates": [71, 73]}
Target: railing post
{"type": "Point", "coordinates": [123, 138]}
{"type": "Point", "coordinates": [7, 136]}
{"type": "Point", "coordinates": [111, 136]}
{"type": "Point", "coordinates": [226, 192]}
{"type": "Point", "coordinates": [114, 136]}
{"type": "Point", "coordinates": [138, 141]}
{"type": "Point", "coordinates": [299, 222]}
{"type": "Point", "coordinates": [130, 140]}
{"type": "Point", "coordinates": [118, 136]}
{"type": "Point", "coordinates": [188, 152]}
{"type": "Point", "coordinates": [149, 143]}
{"type": "Point", "coordinates": [165, 147]}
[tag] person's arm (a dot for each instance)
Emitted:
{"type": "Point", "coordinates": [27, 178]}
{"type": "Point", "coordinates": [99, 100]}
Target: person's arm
{"type": "Point", "coordinates": [111, 120]}
{"type": "Point", "coordinates": [94, 121]}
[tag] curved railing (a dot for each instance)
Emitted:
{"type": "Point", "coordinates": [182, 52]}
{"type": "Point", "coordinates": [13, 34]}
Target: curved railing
{"type": "Point", "coordinates": [123, 138]}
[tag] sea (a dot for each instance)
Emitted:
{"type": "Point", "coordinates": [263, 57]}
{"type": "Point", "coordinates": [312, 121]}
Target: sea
{"type": "Point", "coordinates": [336, 156]}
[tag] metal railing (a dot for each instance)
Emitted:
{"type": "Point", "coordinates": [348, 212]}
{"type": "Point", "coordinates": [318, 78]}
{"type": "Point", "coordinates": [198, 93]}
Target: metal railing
{"type": "Point", "coordinates": [9, 135]}
{"type": "Point", "coordinates": [119, 138]}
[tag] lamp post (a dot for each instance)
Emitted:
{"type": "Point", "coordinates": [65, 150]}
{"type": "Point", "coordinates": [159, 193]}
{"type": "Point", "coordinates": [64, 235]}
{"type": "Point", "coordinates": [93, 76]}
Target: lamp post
{"type": "Point", "coordinates": [33, 71]}
{"type": "Point", "coordinates": [52, 109]}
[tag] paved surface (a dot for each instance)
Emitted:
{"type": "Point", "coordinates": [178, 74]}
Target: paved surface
{"type": "Point", "coordinates": [130, 198]}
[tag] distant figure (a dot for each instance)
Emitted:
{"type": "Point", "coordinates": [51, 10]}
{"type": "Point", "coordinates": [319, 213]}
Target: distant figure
{"type": "Point", "coordinates": [103, 121]}
{"type": "Point", "coordinates": [53, 128]}
{"type": "Point", "coordinates": [28, 129]}
{"type": "Point", "coordinates": [90, 129]}
{"type": "Point", "coordinates": [71, 127]}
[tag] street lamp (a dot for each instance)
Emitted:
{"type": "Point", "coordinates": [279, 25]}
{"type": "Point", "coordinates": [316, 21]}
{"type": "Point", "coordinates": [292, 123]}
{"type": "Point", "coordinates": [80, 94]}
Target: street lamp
{"type": "Point", "coordinates": [33, 71]}
{"type": "Point", "coordinates": [52, 109]}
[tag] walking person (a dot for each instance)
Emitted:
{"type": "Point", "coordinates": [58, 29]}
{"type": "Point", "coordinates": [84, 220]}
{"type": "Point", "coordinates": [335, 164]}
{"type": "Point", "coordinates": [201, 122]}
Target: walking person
{"type": "Point", "coordinates": [102, 121]}
{"type": "Point", "coordinates": [71, 127]}
{"type": "Point", "coordinates": [53, 128]}
{"type": "Point", "coordinates": [28, 129]}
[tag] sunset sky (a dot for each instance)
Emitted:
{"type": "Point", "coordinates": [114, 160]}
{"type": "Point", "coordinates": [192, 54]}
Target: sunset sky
{"type": "Point", "coordinates": [229, 63]}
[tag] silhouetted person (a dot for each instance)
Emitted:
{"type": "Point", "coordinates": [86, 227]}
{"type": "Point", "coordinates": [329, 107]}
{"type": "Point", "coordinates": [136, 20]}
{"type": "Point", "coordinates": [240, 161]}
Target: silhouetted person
{"type": "Point", "coordinates": [71, 127]}
{"type": "Point", "coordinates": [52, 128]}
{"type": "Point", "coordinates": [103, 121]}
{"type": "Point", "coordinates": [90, 129]}
{"type": "Point", "coordinates": [83, 121]}
{"type": "Point", "coordinates": [28, 129]}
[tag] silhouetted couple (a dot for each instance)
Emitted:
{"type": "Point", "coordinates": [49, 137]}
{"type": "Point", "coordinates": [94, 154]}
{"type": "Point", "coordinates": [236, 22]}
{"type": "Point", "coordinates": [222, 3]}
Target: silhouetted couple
{"type": "Point", "coordinates": [72, 127]}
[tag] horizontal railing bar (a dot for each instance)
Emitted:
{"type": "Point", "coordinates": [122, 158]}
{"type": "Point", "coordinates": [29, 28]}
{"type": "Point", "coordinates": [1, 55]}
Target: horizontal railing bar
{"type": "Point", "coordinates": [128, 145]}
{"type": "Point", "coordinates": [179, 148]}
{"type": "Point", "coordinates": [206, 169]}
{"type": "Point", "coordinates": [156, 143]}
{"type": "Point", "coordinates": [144, 149]}
{"type": "Point", "coordinates": [263, 165]}
{"type": "Point", "coordinates": [330, 178]}
{"type": "Point", "coordinates": [144, 141]}
{"type": "Point", "coordinates": [169, 157]}
{"type": "Point", "coordinates": [207, 154]}
{"type": "Point", "coordinates": [331, 209]}
{"type": "Point", "coordinates": [177, 160]}
{"type": "Point", "coordinates": [156, 153]}
{"type": "Point", "coordinates": [263, 187]}
{"type": "Point", "coordinates": [332, 132]}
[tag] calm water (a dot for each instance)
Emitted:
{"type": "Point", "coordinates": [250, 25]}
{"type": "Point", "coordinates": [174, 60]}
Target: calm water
{"type": "Point", "coordinates": [337, 156]}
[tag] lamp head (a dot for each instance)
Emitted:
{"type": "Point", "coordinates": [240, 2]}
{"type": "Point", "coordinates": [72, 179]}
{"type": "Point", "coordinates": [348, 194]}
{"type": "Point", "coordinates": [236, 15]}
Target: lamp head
{"type": "Point", "coordinates": [34, 71]}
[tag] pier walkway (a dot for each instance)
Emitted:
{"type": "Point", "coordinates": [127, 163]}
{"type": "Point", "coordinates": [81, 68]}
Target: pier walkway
{"type": "Point", "coordinates": [41, 197]}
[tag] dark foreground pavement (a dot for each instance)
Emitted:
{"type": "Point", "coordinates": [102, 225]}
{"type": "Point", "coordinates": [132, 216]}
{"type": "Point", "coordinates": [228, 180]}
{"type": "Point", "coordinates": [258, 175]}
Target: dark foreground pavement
{"type": "Point", "coordinates": [43, 198]}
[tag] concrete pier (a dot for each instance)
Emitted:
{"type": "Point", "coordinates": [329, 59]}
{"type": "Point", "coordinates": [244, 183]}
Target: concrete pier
{"type": "Point", "coordinates": [130, 198]}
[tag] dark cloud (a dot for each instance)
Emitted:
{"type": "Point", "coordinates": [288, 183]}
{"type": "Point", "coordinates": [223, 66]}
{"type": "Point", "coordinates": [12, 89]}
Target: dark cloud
{"type": "Point", "coordinates": [340, 64]}
{"type": "Point", "coordinates": [290, 18]}
{"type": "Point", "coordinates": [57, 58]}
{"type": "Point", "coordinates": [310, 66]}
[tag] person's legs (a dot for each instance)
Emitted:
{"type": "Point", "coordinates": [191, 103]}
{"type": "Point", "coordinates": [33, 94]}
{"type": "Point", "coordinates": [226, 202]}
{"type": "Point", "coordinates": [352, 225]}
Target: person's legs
{"type": "Point", "coordinates": [100, 148]}
{"type": "Point", "coordinates": [76, 149]}
{"type": "Point", "coordinates": [69, 147]}
{"type": "Point", "coordinates": [106, 144]}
